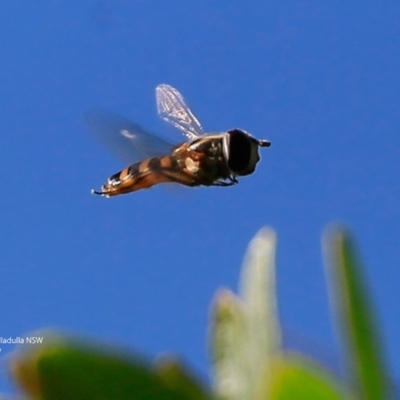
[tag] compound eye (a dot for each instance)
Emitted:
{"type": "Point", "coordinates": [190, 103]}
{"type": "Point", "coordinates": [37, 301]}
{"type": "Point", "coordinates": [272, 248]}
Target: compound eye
{"type": "Point", "coordinates": [240, 149]}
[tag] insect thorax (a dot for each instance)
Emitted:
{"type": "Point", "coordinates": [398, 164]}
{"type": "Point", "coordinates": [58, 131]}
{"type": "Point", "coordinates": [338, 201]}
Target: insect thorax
{"type": "Point", "coordinates": [204, 157]}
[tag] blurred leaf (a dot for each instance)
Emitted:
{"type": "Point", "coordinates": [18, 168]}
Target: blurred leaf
{"type": "Point", "coordinates": [245, 332]}
{"type": "Point", "coordinates": [228, 347]}
{"type": "Point", "coordinates": [357, 324]}
{"type": "Point", "coordinates": [257, 290]}
{"type": "Point", "coordinates": [176, 377]}
{"type": "Point", "coordinates": [295, 377]}
{"type": "Point", "coordinates": [68, 370]}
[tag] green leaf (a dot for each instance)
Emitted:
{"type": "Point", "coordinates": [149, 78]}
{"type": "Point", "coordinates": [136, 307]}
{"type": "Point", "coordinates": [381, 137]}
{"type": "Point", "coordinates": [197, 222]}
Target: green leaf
{"type": "Point", "coordinates": [68, 370]}
{"type": "Point", "coordinates": [257, 289]}
{"type": "Point", "coordinates": [228, 340]}
{"type": "Point", "coordinates": [295, 377]}
{"type": "Point", "coordinates": [245, 331]}
{"type": "Point", "coordinates": [176, 377]}
{"type": "Point", "coordinates": [357, 325]}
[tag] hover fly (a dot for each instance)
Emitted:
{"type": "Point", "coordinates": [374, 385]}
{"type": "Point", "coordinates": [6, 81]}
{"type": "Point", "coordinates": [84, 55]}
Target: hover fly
{"type": "Point", "coordinates": [214, 159]}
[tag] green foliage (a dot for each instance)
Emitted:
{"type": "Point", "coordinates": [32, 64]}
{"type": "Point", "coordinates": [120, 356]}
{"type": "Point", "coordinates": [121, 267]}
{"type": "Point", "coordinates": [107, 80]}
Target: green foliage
{"type": "Point", "coordinates": [245, 332]}
{"type": "Point", "coordinates": [249, 362]}
{"type": "Point", "coordinates": [69, 369]}
{"type": "Point", "coordinates": [296, 377]}
{"type": "Point", "coordinates": [245, 341]}
{"type": "Point", "coordinates": [353, 311]}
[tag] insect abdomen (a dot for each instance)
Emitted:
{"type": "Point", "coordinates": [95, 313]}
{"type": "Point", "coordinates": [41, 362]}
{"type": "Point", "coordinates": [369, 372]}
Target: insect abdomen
{"type": "Point", "coordinates": [143, 175]}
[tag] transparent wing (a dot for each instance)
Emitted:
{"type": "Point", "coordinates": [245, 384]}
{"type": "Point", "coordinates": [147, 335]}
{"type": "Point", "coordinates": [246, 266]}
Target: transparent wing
{"type": "Point", "coordinates": [126, 139]}
{"type": "Point", "coordinates": [172, 108]}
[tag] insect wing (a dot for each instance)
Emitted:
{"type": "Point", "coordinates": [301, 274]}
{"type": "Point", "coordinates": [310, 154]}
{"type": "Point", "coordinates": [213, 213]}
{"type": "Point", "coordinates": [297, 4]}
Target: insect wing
{"type": "Point", "coordinates": [172, 108]}
{"type": "Point", "coordinates": [126, 139]}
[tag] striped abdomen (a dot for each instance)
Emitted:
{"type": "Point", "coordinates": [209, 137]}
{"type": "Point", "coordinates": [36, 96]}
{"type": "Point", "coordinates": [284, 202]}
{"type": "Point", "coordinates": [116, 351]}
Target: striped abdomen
{"type": "Point", "coordinates": [145, 174]}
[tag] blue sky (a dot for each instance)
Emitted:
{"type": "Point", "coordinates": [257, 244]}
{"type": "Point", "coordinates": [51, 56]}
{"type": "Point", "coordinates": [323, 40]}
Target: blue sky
{"type": "Point", "coordinates": [318, 79]}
